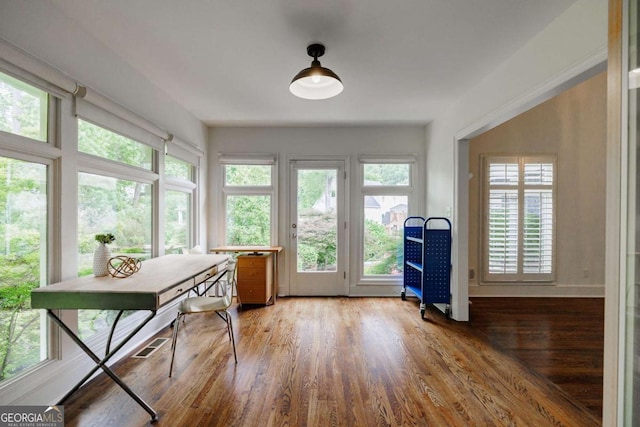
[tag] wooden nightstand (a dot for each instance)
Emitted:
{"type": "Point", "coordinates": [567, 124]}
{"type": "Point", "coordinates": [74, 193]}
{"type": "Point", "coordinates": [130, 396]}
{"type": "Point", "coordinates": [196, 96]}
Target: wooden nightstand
{"type": "Point", "coordinates": [255, 276]}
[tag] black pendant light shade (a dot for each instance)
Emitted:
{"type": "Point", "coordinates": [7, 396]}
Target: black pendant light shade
{"type": "Point", "coordinates": [316, 82]}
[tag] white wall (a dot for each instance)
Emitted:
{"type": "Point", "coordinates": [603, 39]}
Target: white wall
{"type": "Point", "coordinates": [572, 46]}
{"type": "Point", "coordinates": [315, 142]}
{"type": "Point", "coordinates": [571, 127]}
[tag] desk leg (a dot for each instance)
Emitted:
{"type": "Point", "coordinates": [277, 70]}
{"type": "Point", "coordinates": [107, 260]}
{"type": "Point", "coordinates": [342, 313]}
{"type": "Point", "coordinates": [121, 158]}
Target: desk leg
{"type": "Point", "coordinates": [275, 285]}
{"type": "Point", "coordinates": [101, 363]}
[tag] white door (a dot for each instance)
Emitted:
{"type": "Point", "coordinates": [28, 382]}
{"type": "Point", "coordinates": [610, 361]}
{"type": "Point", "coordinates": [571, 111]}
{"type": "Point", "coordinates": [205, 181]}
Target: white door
{"type": "Point", "coordinates": [317, 228]}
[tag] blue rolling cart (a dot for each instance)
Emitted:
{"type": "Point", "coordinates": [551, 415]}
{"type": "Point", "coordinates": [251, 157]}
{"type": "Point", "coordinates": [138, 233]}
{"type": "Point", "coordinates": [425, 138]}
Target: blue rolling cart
{"type": "Point", "coordinates": [427, 261]}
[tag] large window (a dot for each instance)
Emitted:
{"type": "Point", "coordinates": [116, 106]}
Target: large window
{"type": "Point", "coordinates": [110, 205]}
{"type": "Point", "coordinates": [115, 197]}
{"type": "Point", "coordinates": [24, 222]}
{"type": "Point", "coordinates": [385, 190]}
{"type": "Point", "coordinates": [519, 219]}
{"type": "Point", "coordinates": [248, 203]}
{"type": "Point", "coordinates": [178, 227]}
{"type": "Point", "coordinates": [23, 230]}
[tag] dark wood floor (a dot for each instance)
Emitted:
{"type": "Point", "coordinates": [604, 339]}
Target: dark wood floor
{"type": "Point", "coordinates": [335, 362]}
{"type": "Point", "coordinates": [561, 338]}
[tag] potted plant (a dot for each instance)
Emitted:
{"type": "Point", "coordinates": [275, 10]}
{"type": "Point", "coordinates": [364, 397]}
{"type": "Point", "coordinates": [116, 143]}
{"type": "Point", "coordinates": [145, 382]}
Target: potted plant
{"type": "Point", "coordinates": [102, 254]}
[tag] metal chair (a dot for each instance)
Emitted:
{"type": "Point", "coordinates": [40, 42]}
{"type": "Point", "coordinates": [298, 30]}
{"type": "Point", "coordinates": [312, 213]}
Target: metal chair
{"type": "Point", "coordinates": [218, 300]}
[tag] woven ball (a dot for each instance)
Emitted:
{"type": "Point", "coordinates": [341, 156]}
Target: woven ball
{"type": "Point", "coordinates": [123, 266]}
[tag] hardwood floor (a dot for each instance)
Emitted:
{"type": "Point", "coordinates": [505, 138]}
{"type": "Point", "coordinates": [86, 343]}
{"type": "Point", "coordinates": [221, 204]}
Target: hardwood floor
{"type": "Point", "coordinates": [561, 338]}
{"type": "Point", "coordinates": [330, 362]}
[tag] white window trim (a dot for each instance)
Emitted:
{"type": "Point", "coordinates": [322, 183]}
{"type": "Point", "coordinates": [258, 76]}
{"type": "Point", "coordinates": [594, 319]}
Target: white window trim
{"type": "Point", "coordinates": [237, 190]}
{"type": "Point", "coordinates": [381, 190]}
{"type": "Point", "coordinates": [45, 153]}
{"type": "Point", "coordinates": [519, 277]}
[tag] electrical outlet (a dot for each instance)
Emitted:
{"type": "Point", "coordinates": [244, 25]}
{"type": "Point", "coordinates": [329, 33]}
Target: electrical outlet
{"type": "Point", "coordinates": [585, 273]}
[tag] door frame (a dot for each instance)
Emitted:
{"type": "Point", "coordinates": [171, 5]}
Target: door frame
{"type": "Point", "coordinates": [292, 198]}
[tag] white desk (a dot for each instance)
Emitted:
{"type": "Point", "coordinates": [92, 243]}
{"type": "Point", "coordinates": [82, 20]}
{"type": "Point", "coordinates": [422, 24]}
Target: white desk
{"type": "Point", "coordinates": [159, 281]}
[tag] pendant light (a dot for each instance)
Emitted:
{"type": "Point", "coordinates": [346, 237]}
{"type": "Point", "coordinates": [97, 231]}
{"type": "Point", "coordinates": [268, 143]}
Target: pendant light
{"type": "Point", "coordinates": [316, 82]}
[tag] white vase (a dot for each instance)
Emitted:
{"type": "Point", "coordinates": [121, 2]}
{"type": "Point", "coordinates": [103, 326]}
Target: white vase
{"type": "Point", "coordinates": [101, 260]}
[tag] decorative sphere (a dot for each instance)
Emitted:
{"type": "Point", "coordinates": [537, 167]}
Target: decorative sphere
{"type": "Point", "coordinates": [123, 266]}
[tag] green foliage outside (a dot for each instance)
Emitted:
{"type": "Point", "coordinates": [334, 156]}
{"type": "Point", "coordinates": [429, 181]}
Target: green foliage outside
{"type": "Point", "coordinates": [176, 168]}
{"type": "Point", "coordinates": [387, 173]}
{"type": "Point", "coordinates": [317, 241]}
{"type": "Point", "coordinates": [101, 142]}
{"type": "Point", "coordinates": [22, 225]}
{"type": "Point", "coordinates": [110, 205]}
{"type": "Point", "coordinates": [177, 227]}
{"type": "Point", "coordinates": [23, 109]}
{"type": "Point", "coordinates": [247, 175]}
{"type": "Point", "coordinates": [248, 220]}
{"type": "Point", "coordinates": [383, 251]}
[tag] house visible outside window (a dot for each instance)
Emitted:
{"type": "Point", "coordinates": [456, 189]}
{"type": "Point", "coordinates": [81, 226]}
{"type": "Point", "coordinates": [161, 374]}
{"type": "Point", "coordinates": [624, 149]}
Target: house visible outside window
{"type": "Point", "coordinates": [249, 201]}
{"type": "Point", "coordinates": [519, 219]}
{"type": "Point", "coordinates": [24, 221]}
{"type": "Point", "coordinates": [386, 191]}
{"type": "Point", "coordinates": [114, 196]}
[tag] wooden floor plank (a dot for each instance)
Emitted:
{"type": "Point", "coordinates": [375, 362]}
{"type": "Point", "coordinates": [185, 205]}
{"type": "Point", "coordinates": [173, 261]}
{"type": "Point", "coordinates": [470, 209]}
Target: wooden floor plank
{"type": "Point", "coordinates": [560, 338]}
{"type": "Point", "coordinates": [326, 362]}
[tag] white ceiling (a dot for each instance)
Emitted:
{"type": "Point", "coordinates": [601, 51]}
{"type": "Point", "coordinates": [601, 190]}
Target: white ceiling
{"type": "Point", "coordinates": [230, 62]}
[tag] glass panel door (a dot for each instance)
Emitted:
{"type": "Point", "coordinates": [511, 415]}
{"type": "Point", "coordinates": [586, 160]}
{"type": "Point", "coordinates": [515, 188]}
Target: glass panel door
{"type": "Point", "coordinates": [317, 230]}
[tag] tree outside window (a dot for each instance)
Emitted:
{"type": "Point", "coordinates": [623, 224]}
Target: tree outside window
{"type": "Point", "coordinates": [386, 188]}
{"type": "Point", "coordinates": [248, 203]}
{"type": "Point", "coordinates": [23, 225]}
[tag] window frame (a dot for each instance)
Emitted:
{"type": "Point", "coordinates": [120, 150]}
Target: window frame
{"type": "Point", "coordinates": [187, 187]}
{"type": "Point", "coordinates": [48, 104]}
{"type": "Point", "coordinates": [248, 190]}
{"type": "Point", "coordinates": [519, 276]}
{"type": "Point", "coordinates": [48, 154]}
{"type": "Point", "coordinates": [382, 190]}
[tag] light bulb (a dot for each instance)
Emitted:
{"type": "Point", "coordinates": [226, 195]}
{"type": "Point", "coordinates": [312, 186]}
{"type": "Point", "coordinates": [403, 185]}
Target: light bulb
{"type": "Point", "coordinates": [316, 78]}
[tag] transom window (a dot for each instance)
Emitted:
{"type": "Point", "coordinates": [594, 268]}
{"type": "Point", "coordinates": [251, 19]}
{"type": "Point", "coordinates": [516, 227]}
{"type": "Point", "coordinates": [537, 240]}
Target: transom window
{"type": "Point", "coordinates": [23, 109]}
{"type": "Point", "coordinates": [101, 142]}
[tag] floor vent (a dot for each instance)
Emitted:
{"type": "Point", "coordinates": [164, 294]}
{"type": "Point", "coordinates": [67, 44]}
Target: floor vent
{"type": "Point", "coordinates": [150, 348]}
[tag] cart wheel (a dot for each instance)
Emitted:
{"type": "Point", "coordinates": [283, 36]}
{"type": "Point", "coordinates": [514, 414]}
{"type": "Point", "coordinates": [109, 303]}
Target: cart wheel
{"type": "Point", "coordinates": [403, 295]}
{"type": "Point", "coordinates": [422, 310]}
{"type": "Point", "coordinates": [447, 312]}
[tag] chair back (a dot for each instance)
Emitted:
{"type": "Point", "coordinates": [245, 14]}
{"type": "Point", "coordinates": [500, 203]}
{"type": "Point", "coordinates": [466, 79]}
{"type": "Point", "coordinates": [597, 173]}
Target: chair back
{"type": "Point", "coordinates": [225, 288]}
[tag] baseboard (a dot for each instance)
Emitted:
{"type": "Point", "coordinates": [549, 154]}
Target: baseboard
{"type": "Point", "coordinates": [550, 291]}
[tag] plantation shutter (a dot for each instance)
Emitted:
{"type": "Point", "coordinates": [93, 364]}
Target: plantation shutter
{"type": "Point", "coordinates": [503, 218]}
{"type": "Point", "coordinates": [519, 219]}
{"type": "Point", "coordinates": [537, 236]}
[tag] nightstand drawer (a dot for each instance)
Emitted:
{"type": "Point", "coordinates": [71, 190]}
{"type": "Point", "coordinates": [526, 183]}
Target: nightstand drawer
{"type": "Point", "coordinates": [254, 282]}
{"type": "Point", "coordinates": [252, 293]}
{"type": "Point", "coordinates": [252, 261]}
{"type": "Point", "coordinates": [251, 274]}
